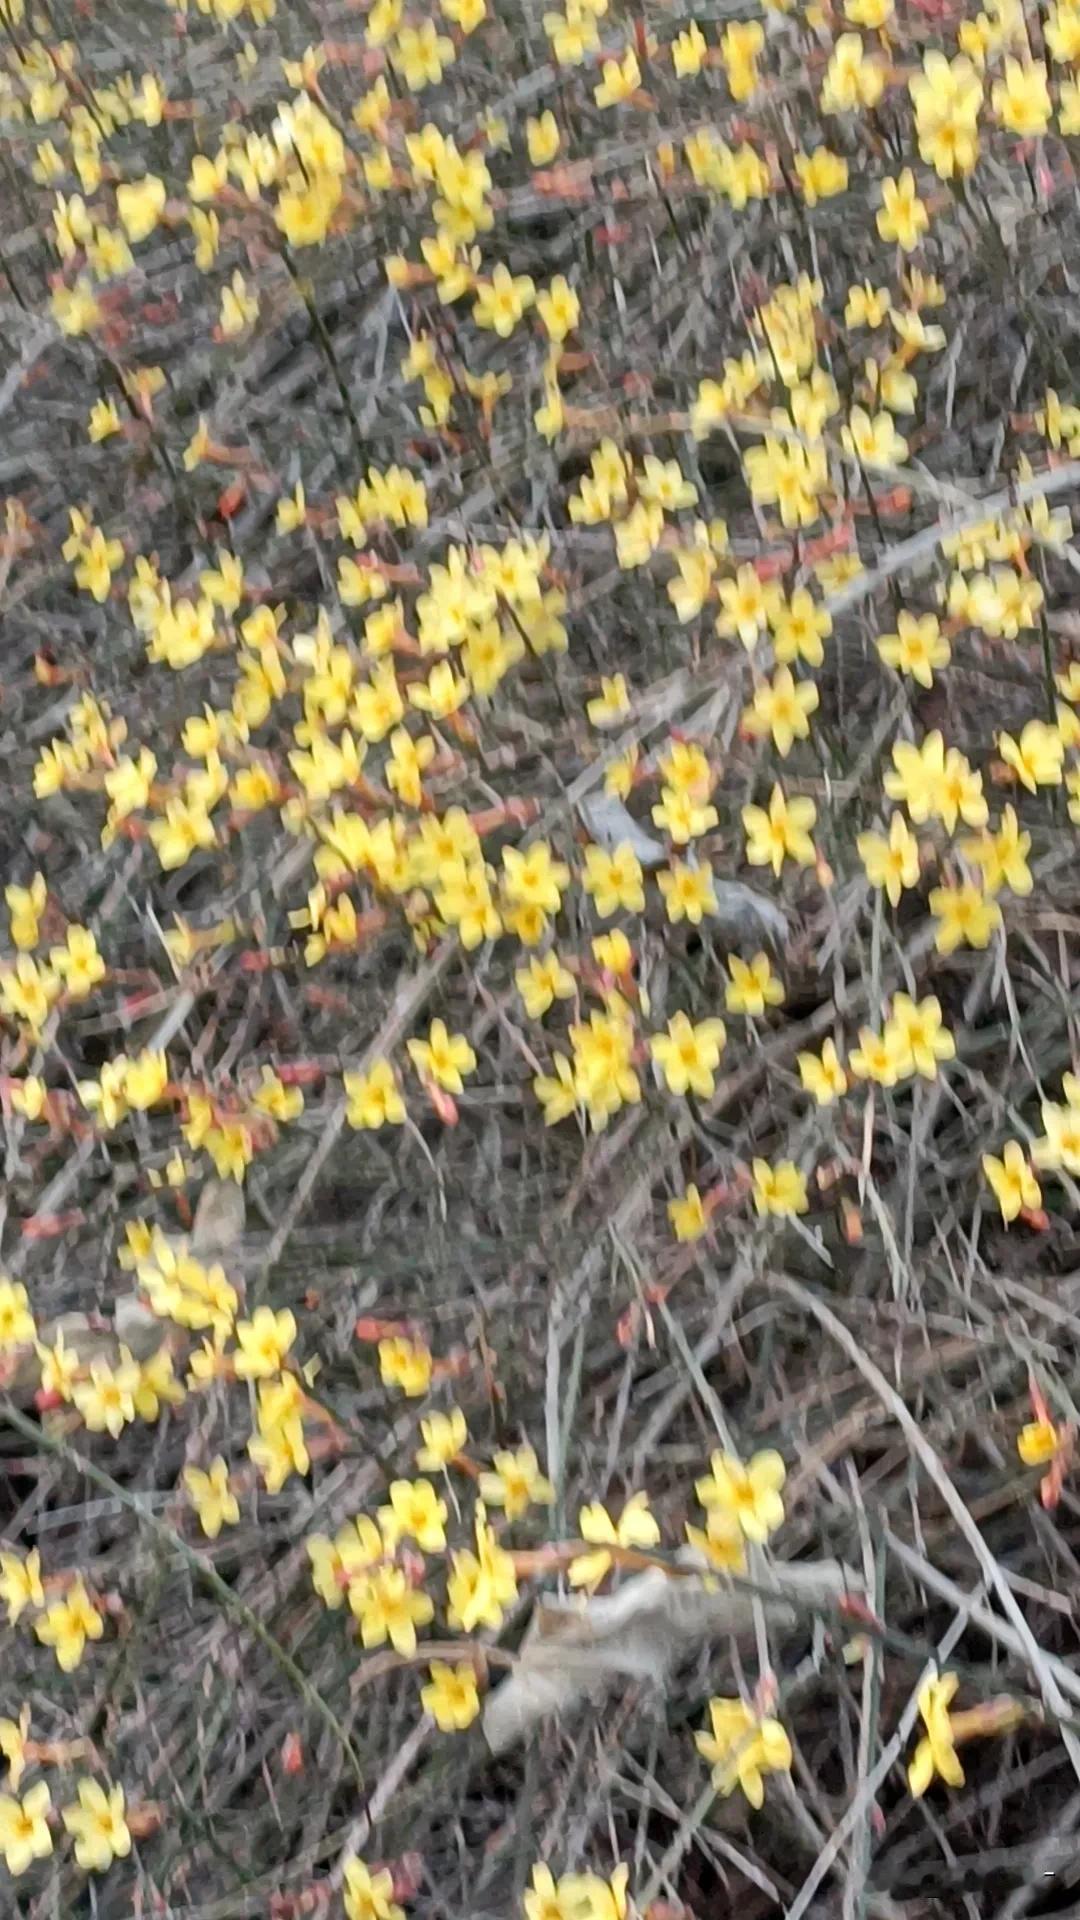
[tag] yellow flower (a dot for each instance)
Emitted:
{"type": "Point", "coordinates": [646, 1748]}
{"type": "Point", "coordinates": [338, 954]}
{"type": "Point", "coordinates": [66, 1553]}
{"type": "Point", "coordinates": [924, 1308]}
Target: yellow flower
{"type": "Point", "coordinates": [515, 1482]}
{"type": "Point", "coordinates": [1060, 1145]}
{"type": "Point", "coordinates": [27, 991]}
{"type": "Point", "coordinates": [688, 51]}
{"type": "Point", "coordinates": [721, 1542]}
{"type": "Point", "coordinates": [272, 1096]}
{"type": "Point", "coordinates": [542, 139]}
{"type": "Point", "coordinates": [443, 1057]}
{"type": "Point", "coordinates": [780, 1190]}
{"type": "Point", "coordinates": [611, 704]}
{"type": "Point", "coordinates": [591, 1898]}
{"type": "Point", "coordinates": [902, 216]}
{"type": "Point", "coordinates": [663, 484]}
{"type": "Point", "coordinates": [879, 1057]}
{"type": "Point", "coordinates": [935, 1753]}
{"type": "Point", "coordinates": [741, 1748]}
{"type": "Point", "coordinates": [964, 915]}
{"type": "Point", "coordinates": [291, 510]}
{"type": "Point", "coordinates": [502, 300]}
{"type": "Point", "coordinates": [635, 1527]}
{"type": "Point", "coordinates": [552, 1900]}
{"type": "Point", "coordinates": [366, 1895]}
{"type": "Point", "coordinates": [451, 1697]}
{"type": "Point", "coordinates": [753, 986]}
{"type": "Point", "coordinates": [1039, 1441]}
{"type": "Point", "coordinates": [542, 982]}
{"type": "Point", "coordinates": [621, 79]}
{"type": "Point", "coordinates": [13, 1738]}
{"type": "Point", "coordinates": [98, 1825]}
{"type": "Point", "coordinates": [747, 606]}
{"type": "Point", "coordinates": [406, 1364]}
{"type": "Point", "coordinates": [614, 879]}
{"type": "Point", "coordinates": [59, 1367]}
{"type": "Point", "coordinates": [867, 306]}
{"type": "Point", "coordinates": [75, 309]}
{"type": "Point", "coordinates": [1036, 757]}
{"type": "Point", "coordinates": [682, 816]}
{"type": "Point", "coordinates": [79, 964]}
{"type": "Point", "coordinates": [264, 1341]}
{"type": "Point", "coordinates": [336, 1564]}
{"type": "Point", "coordinates": [106, 1400]}
{"type": "Point", "coordinates": [934, 783]}
{"type": "Point", "coordinates": [388, 1608]}
{"type": "Point", "coordinates": [145, 1079]}
{"type": "Point", "coordinates": [416, 1512]}
{"type": "Point", "coordinates": [239, 308]}
{"type": "Point", "coordinates": [533, 878]}
{"type": "Point", "coordinates": [278, 1449]}
{"type": "Point", "coordinates": [781, 833]}
{"type": "Point", "coordinates": [17, 1327]}
{"type": "Point", "coordinates": [481, 1584]}
{"type": "Point", "coordinates": [852, 81]}
{"type": "Point", "coordinates": [917, 647]}
{"type": "Point", "coordinates": [373, 1099]}
{"type": "Point", "coordinates": [782, 707]}
{"type": "Point", "coordinates": [892, 863]}
{"type": "Point", "coordinates": [420, 54]}
{"type": "Point", "coordinates": [1021, 99]}
{"type": "Point", "coordinates": [821, 174]}
{"type": "Point", "coordinates": [687, 1214]}
{"type": "Point", "coordinates": [24, 1827]}
{"type": "Point", "coordinates": [921, 1039]}
{"type": "Point", "coordinates": [103, 421]}
{"type": "Point", "coordinates": [750, 1494]}
{"type": "Point", "coordinates": [559, 308]}
{"type": "Point", "coordinates": [572, 35]}
{"type": "Point", "coordinates": [822, 1075]}
{"type": "Point", "coordinates": [798, 628]}
{"type": "Point", "coordinates": [26, 906]}
{"type": "Point", "coordinates": [67, 1626]}
{"type": "Point", "coordinates": [20, 1583]}
{"type": "Point", "coordinates": [1013, 1183]}
{"type": "Point", "coordinates": [212, 1497]}
{"type": "Point", "coordinates": [28, 1096]}
{"type": "Point", "coordinates": [140, 206]}
{"type": "Point", "coordinates": [444, 1436]}
{"type": "Point", "coordinates": [873, 439]}
{"type": "Point", "coordinates": [688, 1055]}
{"type": "Point", "coordinates": [613, 952]}
{"type": "Point", "coordinates": [688, 892]}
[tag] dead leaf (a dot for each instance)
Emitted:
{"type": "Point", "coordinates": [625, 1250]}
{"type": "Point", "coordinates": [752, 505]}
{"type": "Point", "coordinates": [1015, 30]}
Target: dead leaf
{"type": "Point", "coordinates": [574, 1647]}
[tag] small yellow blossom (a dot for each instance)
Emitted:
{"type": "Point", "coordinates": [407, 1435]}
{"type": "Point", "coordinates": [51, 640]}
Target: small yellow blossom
{"type": "Point", "coordinates": [688, 1055]}
{"type": "Point", "coordinates": [635, 1527]}
{"type": "Point", "coordinates": [1012, 1181]}
{"type": "Point", "coordinates": [515, 1482]}
{"type": "Point", "coordinates": [936, 1752]}
{"type": "Point", "coordinates": [373, 1098]}
{"type": "Point", "coordinates": [212, 1497]}
{"type": "Point", "coordinates": [443, 1057]}
{"type": "Point", "coordinates": [1039, 1441]}
{"type": "Point", "coordinates": [96, 1822]}
{"type": "Point", "coordinates": [822, 1074]}
{"type": "Point", "coordinates": [24, 1827]}
{"type": "Point", "coordinates": [687, 1215]}
{"type": "Point", "coordinates": [406, 1364]}
{"type": "Point", "coordinates": [753, 986]}
{"type": "Point", "coordinates": [742, 1747]}
{"type": "Point", "coordinates": [451, 1696]}
{"type": "Point", "coordinates": [779, 1190]}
